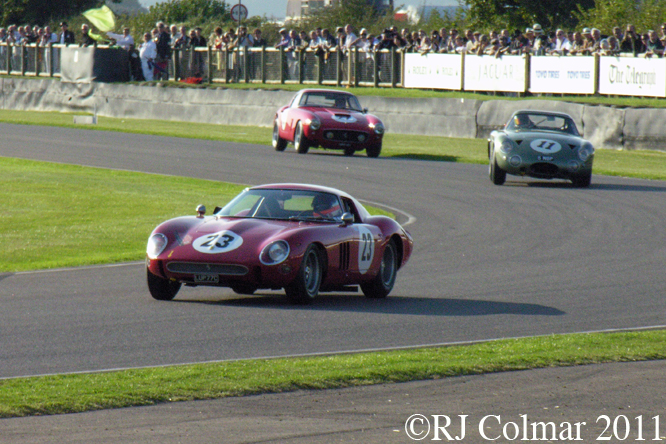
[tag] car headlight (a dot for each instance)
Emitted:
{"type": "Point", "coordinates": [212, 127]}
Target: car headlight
{"type": "Point", "coordinates": [506, 147]}
{"type": "Point", "coordinates": [156, 245]}
{"type": "Point", "coordinates": [377, 127]}
{"type": "Point", "coordinates": [314, 123]}
{"type": "Point", "coordinates": [585, 152]}
{"type": "Point", "coordinates": [274, 253]}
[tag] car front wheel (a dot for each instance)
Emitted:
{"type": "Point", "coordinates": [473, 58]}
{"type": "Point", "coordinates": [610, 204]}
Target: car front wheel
{"type": "Point", "coordinates": [382, 284]}
{"type": "Point", "coordinates": [374, 150]}
{"type": "Point", "coordinates": [301, 142]}
{"type": "Point", "coordinates": [160, 288]}
{"type": "Point", "coordinates": [582, 180]}
{"type": "Point", "coordinates": [305, 287]}
{"type": "Point", "coordinates": [497, 174]}
{"type": "Point", "coordinates": [278, 142]}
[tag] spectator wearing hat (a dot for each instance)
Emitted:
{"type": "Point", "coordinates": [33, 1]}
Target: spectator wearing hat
{"type": "Point", "coordinates": [66, 37]}
{"type": "Point", "coordinates": [541, 44]}
{"type": "Point", "coordinates": [632, 42]}
{"type": "Point", "coordinates": [284, 39]}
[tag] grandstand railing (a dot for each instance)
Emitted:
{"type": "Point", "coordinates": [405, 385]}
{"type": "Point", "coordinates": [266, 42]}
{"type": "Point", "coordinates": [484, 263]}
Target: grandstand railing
{"type": "Point", "coordinates": [514, 75]}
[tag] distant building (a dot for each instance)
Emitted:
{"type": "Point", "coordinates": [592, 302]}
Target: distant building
{"type": "Point", "coordinates": [299, 8]}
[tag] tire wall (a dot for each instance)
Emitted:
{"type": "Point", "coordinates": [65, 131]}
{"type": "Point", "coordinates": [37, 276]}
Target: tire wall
{"type": "Point", "coordinates": [604, 126]}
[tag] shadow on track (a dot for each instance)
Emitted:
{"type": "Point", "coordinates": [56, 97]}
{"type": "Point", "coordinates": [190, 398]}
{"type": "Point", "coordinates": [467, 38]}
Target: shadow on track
{"type": "Point", "coordinates": [391, 305]}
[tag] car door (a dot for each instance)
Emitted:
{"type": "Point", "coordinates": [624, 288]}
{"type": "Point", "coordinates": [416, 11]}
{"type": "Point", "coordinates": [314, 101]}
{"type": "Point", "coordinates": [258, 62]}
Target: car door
{"type": "Point", "coordinates": [363, 241]}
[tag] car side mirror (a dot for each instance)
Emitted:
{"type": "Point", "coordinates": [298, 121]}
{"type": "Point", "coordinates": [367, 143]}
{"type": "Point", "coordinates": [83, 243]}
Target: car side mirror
{"type": "Point", "coordinates": [347, 219]}
{"type": "Point", "coordinates": [365, 110]}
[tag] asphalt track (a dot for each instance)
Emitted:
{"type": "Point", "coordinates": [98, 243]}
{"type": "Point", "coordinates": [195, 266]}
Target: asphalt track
{"type": "Point", "coordinates": [527, 258]}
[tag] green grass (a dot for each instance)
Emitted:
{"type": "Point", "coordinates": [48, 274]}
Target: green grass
{"type": "Point", "coordinates": [54, 215]}
{"type": "Point", "coordinates": [82, 392]}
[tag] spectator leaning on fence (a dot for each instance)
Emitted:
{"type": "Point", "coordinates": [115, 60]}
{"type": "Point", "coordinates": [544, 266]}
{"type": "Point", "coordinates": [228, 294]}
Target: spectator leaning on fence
{"type": "Point", "coordinates": [183, 40]}
{"type": "Point", "coordinates": [86, 40]}
{"type": "Point", "coordinates": [124, 40]}
{"type": "Point", "coordinates": [655, 47]}
{"type": "Point", "coordinates": [562, 44]}
{"type": "Point", "coordinates": [631, 42]}
{"type": "Point", "coordinates": [258, 40]}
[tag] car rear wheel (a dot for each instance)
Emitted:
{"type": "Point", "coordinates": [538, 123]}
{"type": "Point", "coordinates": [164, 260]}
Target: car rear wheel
{"type": "Point", "coordinates": [278, 142]}
{"type": "Point", "coordinates": [160, 288]}
{"type": "Point", "coordinates": [582, 180]}
{"type": "Point", "coordinates": [301, 142]}
{"type": "Point", "coordinates": [305, 287]}
{"type": "Point", "coordinates": [497, 174]}
{"type": "Point", "coordinates": [382, 284]}
{"type": "Point", "coordinates": [374, 150]}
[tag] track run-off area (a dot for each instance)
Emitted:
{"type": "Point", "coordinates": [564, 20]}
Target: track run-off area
{"type": "Point", "coordinates": [527, 258]}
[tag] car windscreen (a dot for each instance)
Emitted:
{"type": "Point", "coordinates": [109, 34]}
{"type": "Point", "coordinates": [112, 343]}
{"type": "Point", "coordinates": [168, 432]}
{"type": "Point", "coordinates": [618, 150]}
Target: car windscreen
{"type": "Point", "coordinates": [527, 121]}
{"type": "Point", "coordinates": [305, 205]}
{"type": "Point", "coordinates": [330, 100]}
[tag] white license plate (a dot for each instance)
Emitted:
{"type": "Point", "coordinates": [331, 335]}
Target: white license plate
{"type": "Point", "coordinates": [212, 278]}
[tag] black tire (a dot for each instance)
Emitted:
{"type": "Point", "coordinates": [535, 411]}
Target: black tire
{"type": "Point", "coordinates": [278, 142]}
{"type": "Point", "coordinates": [497, 174]}
{"type": "Point", "coordinates": [349, 152]}
{"type": "Point", "coordinates": [582, 180]}
{"type": "Point", "coordinates": [383, 283]}
{"type": "Point", "coordinates": [160, 288]}
{"type": "Point", "coordinates": [374, 150]}
{"type": "Point", "coordinates": [243, 289]}
{"type": "Point", "coordinates": [305, 287]}
{"type": "Point", "coordinates": [301, 142]}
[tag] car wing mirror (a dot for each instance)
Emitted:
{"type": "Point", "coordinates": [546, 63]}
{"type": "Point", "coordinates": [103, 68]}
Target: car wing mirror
{"type": "Point", "coordinates": [365, 110]}
{"type": "Point", "coordinates": [347, 219]}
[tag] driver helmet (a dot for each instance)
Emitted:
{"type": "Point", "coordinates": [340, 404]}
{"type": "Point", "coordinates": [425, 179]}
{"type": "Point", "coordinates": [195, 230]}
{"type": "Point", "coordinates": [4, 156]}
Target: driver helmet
{"type": "Point", "coordinates": [522, 120]}
{"type": "Point", "coordinates": [325, 204]}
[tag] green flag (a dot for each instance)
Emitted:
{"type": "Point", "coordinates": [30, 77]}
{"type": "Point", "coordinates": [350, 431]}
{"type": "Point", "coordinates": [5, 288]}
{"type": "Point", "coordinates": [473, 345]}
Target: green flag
{"type": "Point", "coordinates": [101, 18]}
{"type": "Point", "coordinates": [97, 37]}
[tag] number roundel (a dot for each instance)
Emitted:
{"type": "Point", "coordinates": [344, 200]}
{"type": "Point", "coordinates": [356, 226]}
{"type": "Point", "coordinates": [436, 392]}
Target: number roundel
{"type": "Point", "coordinates": [545, 146]}
{"type": "Point", "coordinates": [220, 242]}
{"type": "Point", "coordinates": [366, 249]}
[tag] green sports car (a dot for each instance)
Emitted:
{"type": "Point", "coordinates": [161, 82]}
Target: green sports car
{"type": "Point", "coordinates": [540, 144]}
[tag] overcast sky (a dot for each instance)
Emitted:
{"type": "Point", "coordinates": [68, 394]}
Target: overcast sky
{"type": "Point", "coordinates": [277, 8]}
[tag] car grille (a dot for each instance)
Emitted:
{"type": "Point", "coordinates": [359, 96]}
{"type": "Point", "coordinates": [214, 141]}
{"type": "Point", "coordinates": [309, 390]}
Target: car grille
{"type": "Point", "coordinates": [197, 268]}
{"type": "Point", "coordinates": [545, 170]}
{"type": "Point", "coordinates": [346, 136]}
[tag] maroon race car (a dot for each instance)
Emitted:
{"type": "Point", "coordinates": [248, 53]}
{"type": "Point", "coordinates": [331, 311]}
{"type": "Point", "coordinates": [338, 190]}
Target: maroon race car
{"type": "Point", "coordinates": [303, 238]}
{"type": "Point", "coordinates": [329, 119]}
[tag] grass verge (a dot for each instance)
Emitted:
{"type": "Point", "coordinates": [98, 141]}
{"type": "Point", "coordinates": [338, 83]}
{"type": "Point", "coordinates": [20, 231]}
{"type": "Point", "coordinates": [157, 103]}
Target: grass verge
{"type": "Point", "coordinates": [83, 392]}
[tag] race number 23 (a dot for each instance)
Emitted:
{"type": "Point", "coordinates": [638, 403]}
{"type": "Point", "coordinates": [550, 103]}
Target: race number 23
{"type": "Point", "coordinates": [366, 249]}
{"type": "Point", "coordinates": [220, 242]}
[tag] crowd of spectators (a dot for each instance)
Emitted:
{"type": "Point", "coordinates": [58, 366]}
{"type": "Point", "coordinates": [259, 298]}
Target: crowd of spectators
{"type": "Point", "coordinates": [152, 54]}
{"type": "Point", "coordinates": [533, 40]}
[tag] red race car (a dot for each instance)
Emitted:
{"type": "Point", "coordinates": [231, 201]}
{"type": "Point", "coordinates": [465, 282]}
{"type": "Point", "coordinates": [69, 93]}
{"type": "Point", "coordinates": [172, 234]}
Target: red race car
{"type": "Point", "coordinates": [303, 238]}
{"type": "Point", "coordinates": [330, 119]}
